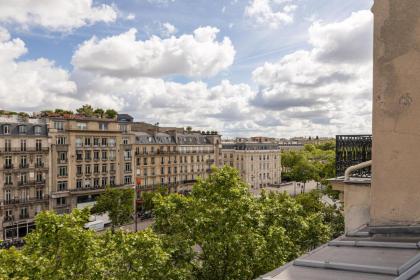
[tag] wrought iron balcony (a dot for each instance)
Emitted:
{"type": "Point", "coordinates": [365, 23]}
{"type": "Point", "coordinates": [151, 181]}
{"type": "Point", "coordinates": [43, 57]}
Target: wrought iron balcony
{"type": "Point", "coordinates": [352, 150]}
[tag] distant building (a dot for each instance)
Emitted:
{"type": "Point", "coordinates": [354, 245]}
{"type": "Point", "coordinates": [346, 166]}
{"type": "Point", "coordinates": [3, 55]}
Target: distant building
{"type": "Point", "coordinates": [258, 162]}
{"type": "Point", "coordinates": [174, 160]}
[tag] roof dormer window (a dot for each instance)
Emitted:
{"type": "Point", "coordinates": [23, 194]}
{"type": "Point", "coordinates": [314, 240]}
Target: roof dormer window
{"type": "Point", "coordinates": [6, 129]}
{"type": "Point", "coordinates": [37, 130]}
{"type": "Point", "coordinates": [22, 129]}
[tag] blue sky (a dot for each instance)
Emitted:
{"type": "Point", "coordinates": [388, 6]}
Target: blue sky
{"type": "Point", "coordinates": [232, 95]}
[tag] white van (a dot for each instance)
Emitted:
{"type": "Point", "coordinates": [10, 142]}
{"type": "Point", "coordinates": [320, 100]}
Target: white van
{"type": "Point", "coordinates": [95, 225]}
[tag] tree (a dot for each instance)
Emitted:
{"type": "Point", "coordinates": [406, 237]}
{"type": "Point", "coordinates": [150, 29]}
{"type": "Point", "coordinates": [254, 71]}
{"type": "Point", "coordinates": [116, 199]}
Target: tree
{"type": "Point", "coordinates": [86, 110]}
{"type": "Point", "coordinates": [189, 129]}
{"type": "Point", "coordinates": [111, 114]}
{"type": "Point", "coordinates": [60, 248]}
{"type": "Point", "coordinates": [117, 203]}
{"type": "Point", "coordinates": [99, 112]}
{"type": "Point", "coordinates": [236, 235]}
{"type": "Point", "coordinates": [221, 231]}
{"type": "Point", "coordinates": [314, 162]}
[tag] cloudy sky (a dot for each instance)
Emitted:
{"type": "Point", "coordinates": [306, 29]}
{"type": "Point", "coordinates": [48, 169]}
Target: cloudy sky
{"type": "Point", "coordinates": [279, 68]}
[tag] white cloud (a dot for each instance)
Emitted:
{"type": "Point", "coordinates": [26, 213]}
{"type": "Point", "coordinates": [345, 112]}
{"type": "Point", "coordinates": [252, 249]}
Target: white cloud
{"type": "Point", "coordinates": [130, 16]}
{"type": "Point", "coordinates": [33, 83]}
{"type": "Point", "coordinates": [161, 2]}
{"type": "Point", "coordinates": [168, 29]}
{"type": "Point", "coordinates": [196, 55]}
{"type": "Point", "coordinates": [56, 15]}
{"type": "Point", "coordinates": [271, 13]}
{"type": "Point", "coordinates": [329, 84]}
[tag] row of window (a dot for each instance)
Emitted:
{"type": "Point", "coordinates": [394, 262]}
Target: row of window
{"type": "Point", "coordinates": [97, 168]}
{"type": "Point", "coordinates": [152, 149]}
{"type": "Point", "coordinates": [164, 180]}
{"type": "Point", "coordinates": [23, 195]}
{"type": "Point", "coordinates": [182, 159]}
{"type": "Point", "coordinates": [169, 170]}
{"type": "Point", "coordinates": [8, 161]}
{"type": "Point", "coordinates": [95, 142]}
{"type": "Point", "coordinates": [23, 178]}
{"type": "Point", "coordinates": [261, 157]}
{"type": "Point", "coordinates": [97, 155]}
{"type": "Point", "coordinates": [22, 129]}
{"type": "Point", "coordinates": [23, 145]}
{"type": "Point", "coordinates": [81, 125]}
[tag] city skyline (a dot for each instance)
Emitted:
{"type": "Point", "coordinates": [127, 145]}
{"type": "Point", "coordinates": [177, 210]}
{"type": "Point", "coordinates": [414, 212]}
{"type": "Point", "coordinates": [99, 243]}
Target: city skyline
{"type": "Point", "coordinates": [220, 66]}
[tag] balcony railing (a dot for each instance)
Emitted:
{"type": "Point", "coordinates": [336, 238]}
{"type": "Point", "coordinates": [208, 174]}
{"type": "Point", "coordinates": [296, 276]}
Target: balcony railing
{"type": "Point", "coordinates": [24, 150]}
{"type": "Point", "coordinates": [29, 200]}
{"type": "Point", "coordinates": [352, 150]}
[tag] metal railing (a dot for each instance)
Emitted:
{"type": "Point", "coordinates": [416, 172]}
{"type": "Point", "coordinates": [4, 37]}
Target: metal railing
{"type": "Point", "coordinates": [352, 150]}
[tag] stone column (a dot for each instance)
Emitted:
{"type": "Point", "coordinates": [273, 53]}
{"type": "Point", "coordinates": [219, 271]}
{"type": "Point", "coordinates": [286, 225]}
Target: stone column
{"type": "Point", "coordinates": [396, 113]}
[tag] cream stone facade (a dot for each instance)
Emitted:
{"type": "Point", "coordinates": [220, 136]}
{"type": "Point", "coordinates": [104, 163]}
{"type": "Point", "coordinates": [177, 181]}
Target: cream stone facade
{"type": "Point", "coordinates": [396, 113]}
{"type": "Point", "coordinates": [24, 170]}
{"type": "Point", "coordinates": [87, 155]}
{"type": "Point", "coordinates": [173, 159]}
{"type": "Point", "coordinates": [258, 163]}
{"type": "Point", "coordinates": [62, 162]}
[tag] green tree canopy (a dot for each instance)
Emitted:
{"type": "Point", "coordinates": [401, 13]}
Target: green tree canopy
{"type": "Point", "coordinates": [111, 114]}
{"type": "Point", "coordinates": [237, 235]}
{"type": "Point", "coordinates": [117, 203]}
{"type": "Point", "coordinates": [221, 231]}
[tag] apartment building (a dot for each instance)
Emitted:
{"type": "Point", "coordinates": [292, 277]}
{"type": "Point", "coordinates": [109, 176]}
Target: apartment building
{"type": "Point", "coordinates": [64, 161]}
{"type": "Point", "coordinates": [257, 162]}
{"type": "Point", "coordinates": [173, 159]}
{"type": "Point", "coordinates": [87, 155]}
{"type": "Point", "coordinates": [24, 169]}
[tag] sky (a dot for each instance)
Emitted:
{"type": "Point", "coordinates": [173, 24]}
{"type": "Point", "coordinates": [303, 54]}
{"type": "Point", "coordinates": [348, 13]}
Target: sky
{"type": "Point", "coordinates": [279, 68]}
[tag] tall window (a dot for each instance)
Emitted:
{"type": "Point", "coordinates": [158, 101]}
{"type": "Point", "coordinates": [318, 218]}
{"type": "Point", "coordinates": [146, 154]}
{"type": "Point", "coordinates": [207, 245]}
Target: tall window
{"type": "Point", "coordinates": [38, 144]}
{"type": "Point", "coordinates": [79, 170]}
{"type": "Point", "coordinates": [24, 213]}
{"type": "Point", "coordinates": [61, 201]}
{"type": "Point", "coordinates": [22, 129]}
{"type": "Point", "coordinates": [39, 177]}
{"type": "Point", "coordinates": [8, 161]}
{"type": "Point", "coordinates": [8, 145]}
{"type": "Point", "coordinates": [62, 171]}
{"type": "Point", "coordinates": [103, 126]}
{"type": "Point", "coordinates": [23, 145]}
{"type": "Point", "coordinates": [82, 126]}
{"type": "Point", "coordinates": [8, 195]}
{"type": "Point", "coordinates": [127, 179]}
{"type": "Point", "coordinates": [62, 140]}
{"type": "Point", "coordinates": [23, 162]}
{"type": "Point", "coordinates": [6, 129]}
{"type": "Point", "coordinates": [87, 141]}
{"type": "Point", "coordinates": [39, 194]}
{"type": "Point", "coordinates": [62, 186]}
{"type": "Point", "coordinates": [59, 125]}
{"type": "Point", "coordinates": [37, 130]}
{"type": "Point", "coordinates": [8, 179]}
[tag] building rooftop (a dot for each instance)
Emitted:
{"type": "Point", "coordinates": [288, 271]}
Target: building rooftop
{"type": "Point", "coordinates": [370, 253]}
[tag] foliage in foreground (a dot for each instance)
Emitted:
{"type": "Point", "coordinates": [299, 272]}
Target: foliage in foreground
{"type": "Point", "coordinates": [218, 232]}
{"type": "Point", "coordinates": [117, 203]}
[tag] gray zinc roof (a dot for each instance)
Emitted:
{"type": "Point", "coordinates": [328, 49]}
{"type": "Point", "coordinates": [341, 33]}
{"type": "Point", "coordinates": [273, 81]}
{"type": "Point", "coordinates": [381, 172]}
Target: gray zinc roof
{"type": "Point", "coordinates": [373, 253]}
{"type": "Point", "coordinates": [29, 129]}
